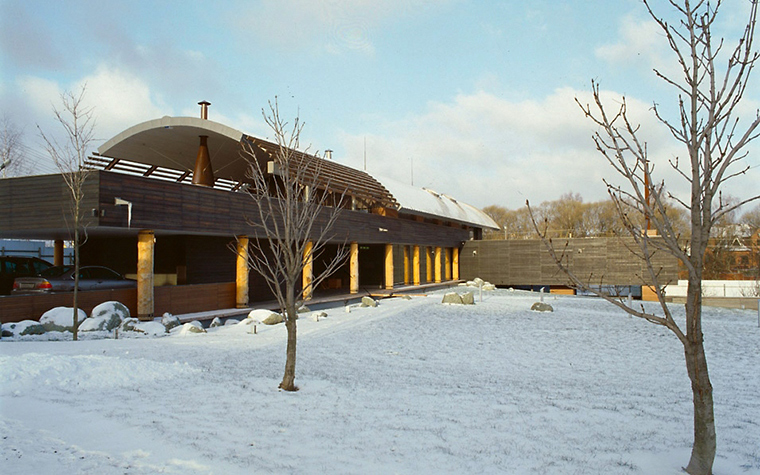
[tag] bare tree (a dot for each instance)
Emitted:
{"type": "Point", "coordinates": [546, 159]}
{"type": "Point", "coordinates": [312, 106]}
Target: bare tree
{"type": "Point", "coordinates": [297, 209]}
{"type": "Point", "coordinates": [708, 126]}
{"type": "Point", "coordinates": [69, 156]}
{"type": "Point", "coordinates": [12, 162]}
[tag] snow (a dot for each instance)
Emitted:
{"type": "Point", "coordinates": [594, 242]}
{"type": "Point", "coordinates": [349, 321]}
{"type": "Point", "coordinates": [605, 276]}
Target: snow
{"type": "Point", "coordinates": [412, 386]}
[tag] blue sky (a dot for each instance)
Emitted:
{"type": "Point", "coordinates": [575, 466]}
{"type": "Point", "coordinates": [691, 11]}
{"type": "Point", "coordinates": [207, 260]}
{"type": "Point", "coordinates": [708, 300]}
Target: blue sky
{"type": "Point", "coordinates": [476, 96]}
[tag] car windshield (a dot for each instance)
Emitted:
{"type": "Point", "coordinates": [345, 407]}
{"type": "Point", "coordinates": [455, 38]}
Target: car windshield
{"type": "Point", "coordinates": [55, 271]}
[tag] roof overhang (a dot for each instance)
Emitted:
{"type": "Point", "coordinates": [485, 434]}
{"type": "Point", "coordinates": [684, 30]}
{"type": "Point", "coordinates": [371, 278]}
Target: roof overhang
{"type": "Point", "coordinates": [172, 142]}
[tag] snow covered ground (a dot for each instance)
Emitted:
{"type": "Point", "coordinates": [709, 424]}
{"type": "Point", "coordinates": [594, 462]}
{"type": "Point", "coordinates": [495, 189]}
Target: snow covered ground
{"type": "Point", "coordinates": [412, 386]}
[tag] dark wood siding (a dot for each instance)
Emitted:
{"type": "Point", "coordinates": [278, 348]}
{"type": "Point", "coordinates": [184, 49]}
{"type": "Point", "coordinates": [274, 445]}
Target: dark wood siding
{"type": "Point", "coordinates": [527, 262]}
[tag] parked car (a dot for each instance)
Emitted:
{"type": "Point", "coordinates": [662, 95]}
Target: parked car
{"type": "Point", "coordinates": [12, 267]}
{"type": "Point", "coordinates": [61, 279]}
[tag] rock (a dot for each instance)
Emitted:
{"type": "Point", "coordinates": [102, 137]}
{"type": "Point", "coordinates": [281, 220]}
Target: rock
{"type": "Point", "coordinates": [25, 327]}
{"type": "Point", "coordinates": [478, 281]}
{"type": "Point", "coordinates": [319, 315]}
{"type": "Point", "coordinates": [61, 319]}
{"type": "Point", "coordinates": [489, 286]}
{"type": "Point", "coordinates": [100, 323]}
{"type": "Point", "coordinates": [110, 310]}
{"type": "Point", "coordinates": [405, 297]}
{"type": "Point", "coordinates": [273, 319]}
{"type": "Point", "coordinates": [231, 321]}
{"type": "Point", "coordinates": [303, 309]}
{"type": "Point", "coordinates": [170, 321]}
{"type": "Point", "coordinates": [542, 307]}
{"type": "Point", "coordinates": [368, 302]}
{"type": "Point", "coordinates": [130, 324]}
{"type": "Point", "coordinates": [452, 298]}
{"type": "Point", "coordinates": [216, 322]}
{"type": "Point", "coordinates": [192, 327]}
{"type": "Point", "coordinates": [468, 298]}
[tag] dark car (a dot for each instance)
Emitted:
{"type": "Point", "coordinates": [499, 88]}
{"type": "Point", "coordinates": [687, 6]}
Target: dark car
{"type": "Point", "coordinates": [61, 279]}
{"type": "Point", "coordinates": [18, 266]}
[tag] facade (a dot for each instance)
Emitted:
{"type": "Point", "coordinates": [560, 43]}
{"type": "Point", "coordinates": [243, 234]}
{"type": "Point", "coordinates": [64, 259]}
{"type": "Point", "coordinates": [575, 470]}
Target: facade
{"type": "Point", "coordinates": [166, 204]}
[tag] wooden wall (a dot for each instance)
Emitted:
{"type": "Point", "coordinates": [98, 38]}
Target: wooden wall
{"type": "Point", "coordinates": [527, 262]}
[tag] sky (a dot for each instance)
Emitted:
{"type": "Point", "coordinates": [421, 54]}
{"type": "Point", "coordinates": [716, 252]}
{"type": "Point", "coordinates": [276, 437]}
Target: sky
{"type": "Point", "coordinates": [475, 99]}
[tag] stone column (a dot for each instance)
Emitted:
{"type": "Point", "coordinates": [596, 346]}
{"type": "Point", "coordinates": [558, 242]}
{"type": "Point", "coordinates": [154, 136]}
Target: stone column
{"type": "Point", "coordinates": [437, 264]}
{"type": "Point", "coordinates": [308, 275]}
{"type": "Point", "coordinates": [389, 266]}
{"type": "Point", "coordinates": [416, 265]}
{"type": "Point", "coordinates": [455, 263]}
{"type": "Point", "coordinates": [354, 268]}
{"type": "Point", "coordinates": [58, 252]}
{"type": "Point", "coordinates": [241, 273]}
{"type": "Point", "coordinates": [146, 243]}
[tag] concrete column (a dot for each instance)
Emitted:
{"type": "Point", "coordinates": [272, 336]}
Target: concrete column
{"type": "Point", "coordinates": [455, 263]}
{"type": "Point", "coordinates": [416, 265]}
{"type": "Point", "coordinates": [447, 263]}
{"type": "Point", "coordinates": [241, 273]}
{"type": "Point", "coordinates": [354, 267]}
{"type": "Point", "coordinates": [389, 266]}
{"type": "Point", "coordinates": [58, 252]}
{"type": "Point", "coordinates": [406, 265]}
{"type": "Point", "coordinates": [146, 243]}
{"type": "Point", "coordinates": [308, 270]}
{"type": "Point", "coordinates": [428, 265]}
{"type": "Point", "coordinates": [437, 264]}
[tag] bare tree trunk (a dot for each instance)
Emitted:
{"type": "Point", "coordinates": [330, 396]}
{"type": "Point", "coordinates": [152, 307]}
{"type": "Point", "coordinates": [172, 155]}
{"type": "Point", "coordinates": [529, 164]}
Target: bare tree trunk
{"type": "Point", "coordinates": [75, 327]}
{"type": "Point", "coordinates": [703, 450]}
{"type": "Point", "coordinates": [291, 314]}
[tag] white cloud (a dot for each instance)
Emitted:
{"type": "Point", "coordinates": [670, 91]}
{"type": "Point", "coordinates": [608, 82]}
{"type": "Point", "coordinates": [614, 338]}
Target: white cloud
{"type": "Point", "coordinates": [485, 150]}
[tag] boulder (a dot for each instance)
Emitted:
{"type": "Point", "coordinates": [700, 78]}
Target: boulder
{"type": "Point", "coordinates": [452, 298]}
{"type": "Point", "coordinates": [106, 323]}
{"type": "Point", "coordinates": [61, 319]}
{"type": "Point", "coordinates": [273, 319]}
{"type": "Point", "coordinates": [33, 329]}
{"type": "Point", "coordinates": [468, 298]}
{"type": "Point", "coordinates": [542, 307]}
{"type": "Point", "coordinates": [107, 309]}
{"type": "Point", "coordinates": [129, 324]}
{"type": "Point", "coordinates": [216, 322]}
{"type": "Point", "coordinates": [489, 286]}
{"type": "Point", "coordinates": [170, 321]}
{"type": "Point", "coordinates": [368, 302]}
{"type": "Point", "coordinates": [319, 315]}
{"type": "Point", "coordinates": [231, 321]}
{"type": "Point", "coordinates": [303, 309]}
{"type": "Point", "coordinates": [192, 327]}
{"type": "Point", "coordinates": [25, 327]}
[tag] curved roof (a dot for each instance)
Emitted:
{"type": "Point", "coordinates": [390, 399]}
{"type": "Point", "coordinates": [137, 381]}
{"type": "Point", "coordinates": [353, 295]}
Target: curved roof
{"type": "Point", "coordinates": [172, 142]}
{"type": "Point", "coordinates": [437, 205]}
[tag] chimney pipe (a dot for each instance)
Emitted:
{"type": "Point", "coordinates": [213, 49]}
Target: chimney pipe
{"type": "Point", "coordinates": [203, 174]}
{"type": "Point", "coordinates": [204, 109]}
{"type": "Point", "coordinates": [328, 154]}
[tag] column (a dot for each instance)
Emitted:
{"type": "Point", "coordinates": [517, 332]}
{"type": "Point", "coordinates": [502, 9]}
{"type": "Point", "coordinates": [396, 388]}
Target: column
{"type": "Point", "coordinates": [146, 243]}
{"type": "Point", "coordinates": [455, 263]}
{"type": "Point", "coordinates": [416, 265]}
{"type": "Point", "coordinates": [354, 267]}
{"type": "Point", "coordinates": [58, 252]}
{"type": "Point", "coordinates": [241, 273]}
{"type": "Point", "coordinates": [406, 265]}
{"type": "Point", "coordinates": [447, 263]}
{"type": "Point", "coordinates": [428, 265]}
{"type": "Point", "coordinates": [308, 264]}
{"type": "Point", "coordinates": [389, 266]}
{"type": "Point", "coordinates": [437, 264]}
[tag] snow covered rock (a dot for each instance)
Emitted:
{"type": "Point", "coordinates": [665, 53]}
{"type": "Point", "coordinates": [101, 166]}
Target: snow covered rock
{"type": "Point", "coordinates": [542, 307]}
{"type": "Point", "coordinates": [231, 321]}
{"type": "Point", "coordinates": [105, 317]}
{"type": "Point", "coordinates": [489, 286]}
{"type": "Point", "coordinates": [368, 302]}
{"type": "Point", "coordinates": [303, 309]}
{"type": "Point", "coordinates": [451, 298]}
{"type": "Point", "coordinates": [129, 324]}
{"type": "Point", "coordinates": [468, 298]}
{"type": "Point", "coordinates": [60, 319]}
{"type": "Point", "coordinates": [26, 327]}
{"type": "Point", "coordinates": [192, 327]}
{"type": "Point", "coordinates": [106, 309]}
{"type": "Point", "coordinates": [216, 322]}
{"type": "Point", "coordinates": [152, 328]}
{"type": "Point", "coordinates": [319, 315]}
{"type": "Point", "coordinates": [170, 321]}
{"type": "Point", "coordinates": [273, 319]}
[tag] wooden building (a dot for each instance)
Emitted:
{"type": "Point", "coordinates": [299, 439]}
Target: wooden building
{"type": "Point", "coordinates": [165, 202]}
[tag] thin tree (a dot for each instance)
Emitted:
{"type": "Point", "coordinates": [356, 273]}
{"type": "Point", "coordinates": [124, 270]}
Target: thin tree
{"type": "Point", "coordinates": [298, 206]}
{"type": "Point", "coordinates": [69, 157]}
{"type": "Point", "coordinates": [12, 161]}
{"type": "Point", "coordinates": [715, 144]}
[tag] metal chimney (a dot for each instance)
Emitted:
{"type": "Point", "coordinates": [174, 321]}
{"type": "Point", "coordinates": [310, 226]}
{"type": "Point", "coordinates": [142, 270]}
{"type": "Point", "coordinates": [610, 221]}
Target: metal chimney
{"type": "Point", "coordinates": [204, 109]}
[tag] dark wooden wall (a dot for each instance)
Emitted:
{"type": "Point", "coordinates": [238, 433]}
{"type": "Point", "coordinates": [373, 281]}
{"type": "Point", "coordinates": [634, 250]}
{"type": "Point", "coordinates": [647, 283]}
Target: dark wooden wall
{"type": "Point", "coordinates": [527, 262]}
